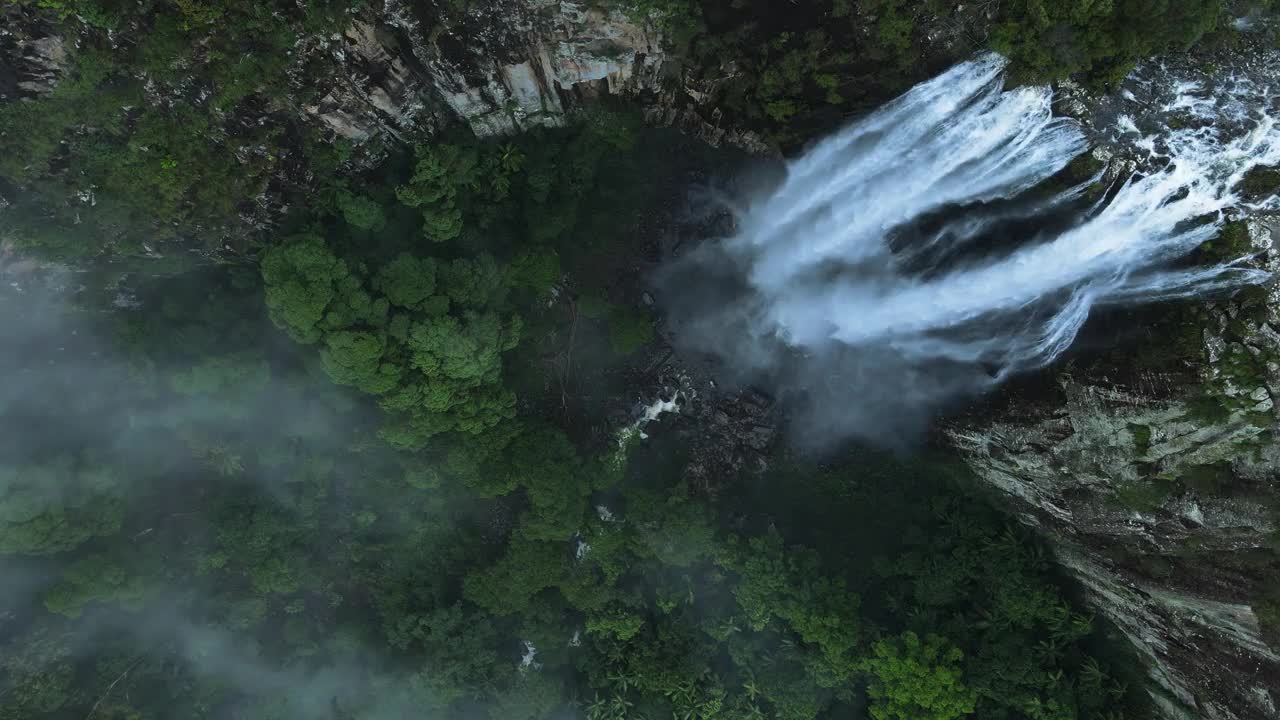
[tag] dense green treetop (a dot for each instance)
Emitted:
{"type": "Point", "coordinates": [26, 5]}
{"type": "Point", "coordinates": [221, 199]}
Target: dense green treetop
{"type": "Point", "coordinates": [914, 679]}
{"type": "Point", "coordinates": [56, 505]}
{"type": "Point", "coordinates": [362, 471]}
{"type": "Point", "coordinates": [418, 544]}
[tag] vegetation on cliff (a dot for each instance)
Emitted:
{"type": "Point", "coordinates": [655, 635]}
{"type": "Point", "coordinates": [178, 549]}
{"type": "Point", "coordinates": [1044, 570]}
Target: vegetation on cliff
{"type": "Point", "coordinates": [357, 465]}
{"type": "Point", "coordinates": [174, 121]}
{"type": "Point", "coordinates": [346, 484]}
{"type": "Point", "coordinates": [793, 69]}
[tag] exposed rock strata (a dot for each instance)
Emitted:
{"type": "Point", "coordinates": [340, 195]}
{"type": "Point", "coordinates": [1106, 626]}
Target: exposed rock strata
{"type": "Point", "coordinates": [1159, 487]}
{"type": "Point", "coordinates": [32, 57]}
{"type": "Point", "coordinates": [506, 66]}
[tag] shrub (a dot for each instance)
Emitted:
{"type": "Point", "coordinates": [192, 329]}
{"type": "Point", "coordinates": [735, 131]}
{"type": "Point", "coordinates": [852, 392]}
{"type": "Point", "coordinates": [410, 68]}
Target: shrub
{"type": "Point", "coordinates": [629, 330]}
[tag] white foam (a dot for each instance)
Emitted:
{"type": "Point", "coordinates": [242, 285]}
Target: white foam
{"type": "Point", "coordinates": [959, 139]}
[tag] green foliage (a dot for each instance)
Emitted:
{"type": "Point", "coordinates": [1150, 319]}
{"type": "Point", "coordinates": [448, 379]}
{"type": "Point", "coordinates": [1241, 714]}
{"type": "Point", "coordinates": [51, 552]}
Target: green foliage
{"type": "Point", "coordinates": [396, 548]}
{"type": "Point", "coordinates": [152, 135]}
{"type": "Point", "coordinates": [535, 271]}
{"type": "Point", "coordinates": [1051, 40]}
{"type": "Point", "coordinates": [459, 656]}
{"type": "Point", "coordinates": [1261, 183]}
{"type": "Point", "coordinates": [546, 465]}
{"type": "Point", "coordinates": [356, 358]}
{"type": "Point", "coordinates": [593, 306]}
{"type": "Point", "coordinates": [1268, 612]}
{"type": "Point", "coordinates": [510, 585]}
{"type": "Point", "coordinates": [1232, 243]}
{"type": "Point", "coordinates": [459, 183]}
{"type": "Point", "coordinates": [55, 506]}
{"type": "Point", "coordinates": [45, 692]}
{"type": "Point", "coordinates": [629, 330]}
{"type": "Point", "coordinates": [918, 679]}
{"type": "Point", "coordinates": [408, 282]}
{"type": "Point", "coordinates": [437, 367]}
{"type": "Point", "coordinates": [427, 335]}
{"type": "Point", "coordinates": [260, 542]}
{"type": "Point", "coordinates": [803, 68]}
{"type": "Point", "coordinates": [1143, 496]}
{"type": "Point", "coordinates": [441, 174]}
{"type": "Point", "coordinates": [1141, 437]}
{"type": "Point", "coordinates": [681, 18]}
{"type": "Point", "coordinates": [93, 578]}
{"type": "Point", "coordinates": [1209, 480]}
{"type": "Point", "coordinates": [793, 67]}
{"type": "Point", "coordinates": [361, 212]}
{"type": "Point", "coordinates": [302, 279]}
{"type": "Point", "coordinates": [789, 586]}
{"type": "Point", "coordinates": [304, 538]}
{"type": "Point", "coordinates": [532, 696]}
{"type": "Point", "coordinates": [244, 371]}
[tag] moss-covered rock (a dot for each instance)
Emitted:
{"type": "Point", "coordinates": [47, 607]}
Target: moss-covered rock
{"type": "Point", "coordinates": [1153, 476]}
{"type": "Point", "coordinates": [1261, 182]}
{"type": "Point", "coordinates": [1233, 242]}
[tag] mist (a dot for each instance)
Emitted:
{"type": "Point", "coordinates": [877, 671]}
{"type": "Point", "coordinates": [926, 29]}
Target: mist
{"type": "Point", "coordinates": [181, 427]}
{"type": "Point", "coordinates": [315, 396]}
{"type": "Point", "coordinates": [919, 257]}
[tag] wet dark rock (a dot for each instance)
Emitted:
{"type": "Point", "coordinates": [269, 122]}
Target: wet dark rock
{"type": "Point", "coordinates": [1155, 478]}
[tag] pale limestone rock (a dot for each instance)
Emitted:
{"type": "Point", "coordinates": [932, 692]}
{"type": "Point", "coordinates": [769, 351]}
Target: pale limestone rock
{"type": "Point", "coordinates": [377, 92]}
{"type": "Point", "coordinates": [45, 59]}
{"type": "Point", "coordinates": [506, 66]}
{"type": "Point", "coordinates": [515, 64]}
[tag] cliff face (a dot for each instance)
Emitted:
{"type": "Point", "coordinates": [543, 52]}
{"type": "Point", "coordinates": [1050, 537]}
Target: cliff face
{"type": "Point", "coordinates": [505, 66]}
{"type": "Point", "coordinates": [1166, 518]}
{"type": "Point", "coordinates": [508, 66]}
{"type": "Point", "coordinates": [31, 56]}
{"type": "Point", "coordinates": [1156, 485]}
{"type": "Point", "coordinates": [403, 69]}
{"type": "Point", "coordinates": [1155, 476]}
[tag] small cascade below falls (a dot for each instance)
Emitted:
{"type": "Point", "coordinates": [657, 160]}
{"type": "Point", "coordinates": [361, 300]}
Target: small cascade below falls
{"type": "Point", "coordinates": [916, 256]}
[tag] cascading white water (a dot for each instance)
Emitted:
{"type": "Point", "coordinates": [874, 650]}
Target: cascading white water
{"type": "Point", "coordinates": [819, 273]}
{"type": "Point", "coordinates": [957, 140]}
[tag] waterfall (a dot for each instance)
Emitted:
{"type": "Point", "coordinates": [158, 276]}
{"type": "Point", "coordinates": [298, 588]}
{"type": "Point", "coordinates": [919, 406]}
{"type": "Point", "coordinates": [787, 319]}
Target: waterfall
{"type": "Point", "coordinates": [915, 256]}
